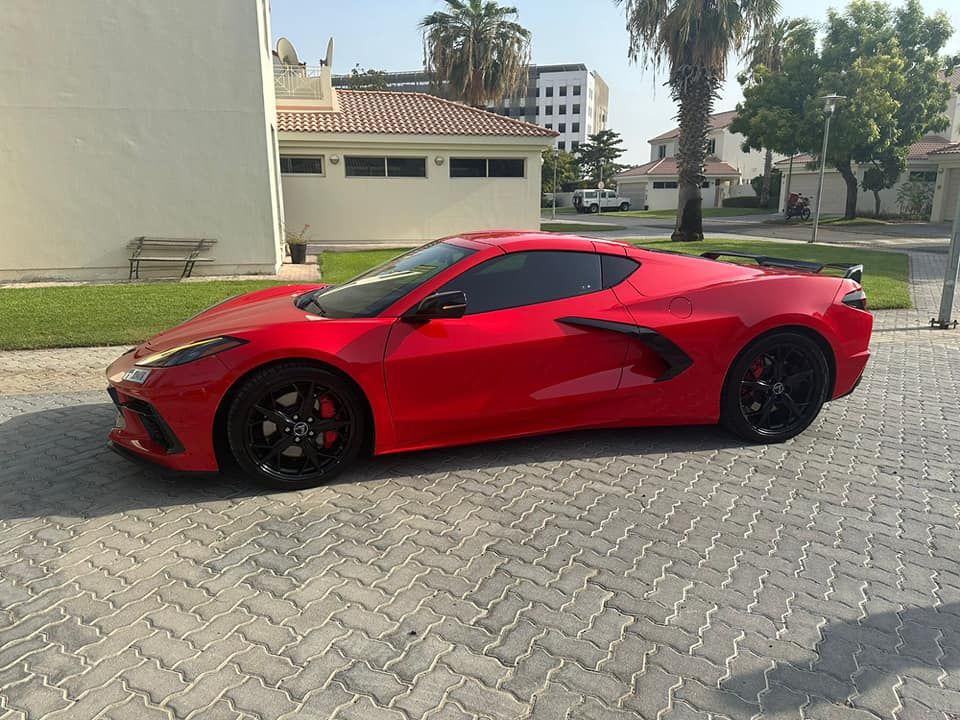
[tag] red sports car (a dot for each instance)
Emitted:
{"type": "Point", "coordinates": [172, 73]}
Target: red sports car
{"type": "Point", "coordinates": [492, 335]}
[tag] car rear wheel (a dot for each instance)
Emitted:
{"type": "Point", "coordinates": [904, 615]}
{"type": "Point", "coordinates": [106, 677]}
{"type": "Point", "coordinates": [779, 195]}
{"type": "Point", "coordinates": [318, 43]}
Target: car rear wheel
{"type": "Point", "coordinates": [594, 208]}
{"type": "Point", "coordinates": [624, 207]}
{"type": "Point", "coordinates": [805, 214]}
{"type": "Point", "coordinates": [295, 426]}
{"type": "Point", "coordinates": [775, 388]}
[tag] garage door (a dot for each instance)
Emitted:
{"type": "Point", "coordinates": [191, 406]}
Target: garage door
{"type": "Point", "coordinates": [636, 192]}
{"type": "Point", "coordinates": [953, 190]}
{"type": "Point", "coordinates": [834, 191]}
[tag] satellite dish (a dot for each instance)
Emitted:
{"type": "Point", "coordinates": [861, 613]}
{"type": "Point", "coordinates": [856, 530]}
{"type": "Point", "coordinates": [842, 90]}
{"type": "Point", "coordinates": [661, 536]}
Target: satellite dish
{"type": "Point", "coordinates": [286, 52]}
{"type": "Point", "coordinates": [328, 60]}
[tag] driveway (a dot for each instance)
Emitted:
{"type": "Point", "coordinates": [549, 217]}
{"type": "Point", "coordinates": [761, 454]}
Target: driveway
{"type": "Point", "coordinates": [920, 237]}
{"type": "Point", "coordinates": [630, 574]}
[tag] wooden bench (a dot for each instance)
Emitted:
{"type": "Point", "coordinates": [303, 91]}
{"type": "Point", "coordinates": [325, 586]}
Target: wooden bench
{"type": "Point", "coordinates": [162, 249]}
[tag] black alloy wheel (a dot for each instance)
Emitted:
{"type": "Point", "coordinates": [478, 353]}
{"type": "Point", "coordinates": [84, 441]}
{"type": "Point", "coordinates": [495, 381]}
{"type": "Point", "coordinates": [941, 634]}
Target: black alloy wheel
{"type": "Point", "coordinates": [295, 426]}
{"type": "Point", "coordinates": [775, 388]}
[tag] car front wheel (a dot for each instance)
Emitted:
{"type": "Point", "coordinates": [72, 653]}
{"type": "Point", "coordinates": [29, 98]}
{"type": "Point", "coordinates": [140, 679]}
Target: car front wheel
{"type": "Point", "coordinates": [294, 425]}
{"type": "Point", "coordinates": [775, 388]}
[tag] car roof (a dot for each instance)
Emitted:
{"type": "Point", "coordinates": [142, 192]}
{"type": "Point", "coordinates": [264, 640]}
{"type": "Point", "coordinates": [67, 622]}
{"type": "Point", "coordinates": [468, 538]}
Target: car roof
{"type": "Point", "coordinates": [511, 240]}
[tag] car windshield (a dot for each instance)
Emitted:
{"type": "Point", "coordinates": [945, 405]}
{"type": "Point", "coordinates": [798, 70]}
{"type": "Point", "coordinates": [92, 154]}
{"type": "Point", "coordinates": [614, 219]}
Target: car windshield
{"type": "Point", "coordinates": [371, 293]}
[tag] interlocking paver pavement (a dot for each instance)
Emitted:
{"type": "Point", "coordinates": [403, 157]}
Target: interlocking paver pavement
{"type": "Point", "coordinates": [671, 573]}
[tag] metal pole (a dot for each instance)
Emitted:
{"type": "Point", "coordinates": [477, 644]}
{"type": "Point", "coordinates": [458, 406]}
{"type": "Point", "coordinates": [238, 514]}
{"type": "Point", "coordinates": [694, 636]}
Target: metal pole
{"type": "Point", "coordinates": [556, 157]}
{"type": "Point", "coordinates": [823, 160]}
{"type": "Point", "coordinates": [786, 194]}
{"type": "Point", "coordinates": [950, 279]}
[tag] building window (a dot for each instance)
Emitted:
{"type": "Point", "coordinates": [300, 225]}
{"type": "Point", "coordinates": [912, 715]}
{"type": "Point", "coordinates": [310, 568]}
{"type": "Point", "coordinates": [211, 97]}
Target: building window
{"type": "Point", "coordinates": [549, 90]}
{"type": "Point", "coordinates": [576, 108]}
{"type": "Point", "coordinates": [563, 91]}
{"type": "Point", "coordinates": [549, 126]}
{"type": "Point", "coordinates": [563, 109]}
{"type": "Point", "coordinates": [561, 145]}
{"type": "Point", "coordinates": [538, 92]}
{"type": "Point", "coordinates": [711, 146]}
{"type": "Point", "coordinates": [923, 176]}
{"type": "Point", "coordinates": [665, 185]}
{"type": "Point", "coordinates": [562, 127]}
{"type": "Point", "coordinates": [483, 167]}
{"type": "Point", "coordinates": [301, 165]}
{"type": "Point", "coordinates": [575, 127]}
{"type": "Point", "coordinates": [576, 89]}
{"type": "Point", "coordinates": [706, 184]}
{"type": "Point", "coordinates": [357, 166]}
{"type": "Point", "coordinates": [661, 152]}
{"type": "Point", "coordinates": [574, 145]}
{"type": "Point", "coordinates": [548, 110]}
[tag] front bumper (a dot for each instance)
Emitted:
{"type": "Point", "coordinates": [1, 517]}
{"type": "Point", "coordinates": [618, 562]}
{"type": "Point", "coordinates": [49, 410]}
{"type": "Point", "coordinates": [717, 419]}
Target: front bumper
{"type": "Point", "coordinates": [169, 419]}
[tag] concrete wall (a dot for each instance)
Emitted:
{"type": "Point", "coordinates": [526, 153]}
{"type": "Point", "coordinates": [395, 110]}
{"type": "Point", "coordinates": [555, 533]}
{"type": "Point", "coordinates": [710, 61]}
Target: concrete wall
{"type": "Point", "coordinates": [947, 191]}
{"type": "Point", "coordinates": [357, 209]}
{"type": "Point", "coordinates": [134, 117]}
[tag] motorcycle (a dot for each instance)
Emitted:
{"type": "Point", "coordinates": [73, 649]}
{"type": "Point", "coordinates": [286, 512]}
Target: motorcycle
{"type": "Point", "coordinates": [797, 206]}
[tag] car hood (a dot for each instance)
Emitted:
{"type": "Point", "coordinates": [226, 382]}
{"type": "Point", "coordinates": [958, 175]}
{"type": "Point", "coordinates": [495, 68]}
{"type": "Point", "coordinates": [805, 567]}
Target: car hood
{"type": "Point", "coordinates": [234, 316]}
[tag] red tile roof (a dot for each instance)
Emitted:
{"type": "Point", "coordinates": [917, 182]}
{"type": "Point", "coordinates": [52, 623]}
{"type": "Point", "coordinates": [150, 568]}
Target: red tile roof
{"type": "Point", "coordinates": [920, 150]}
{"type": "Point", "coordinates": [668, 166]}
{"type": "Point", "coordinates": [404, 113]}
{"type": "Point", "coordinates": [717, 121]}
{"type": "Point", "coordinates": [948, 150]}
{"type": "Point", "coordinates": [926, 145]}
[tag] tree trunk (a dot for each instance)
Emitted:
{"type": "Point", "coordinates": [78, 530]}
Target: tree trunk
{"type": "Point", "coordinates": [876, 201]}
{"type": "Point", "coordinates": [767, 173]}
{"type": "Point", "coordinates": [846, 172]}
{"type": "Point", "coordinates": [693, 89]}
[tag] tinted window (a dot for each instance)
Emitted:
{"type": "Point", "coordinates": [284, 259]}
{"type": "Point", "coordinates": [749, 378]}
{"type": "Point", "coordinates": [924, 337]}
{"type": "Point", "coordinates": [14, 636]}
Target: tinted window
{"type": "Point", "coordinates": [506, 167]}
{"type": "Point", "coordinates": [301, 165]}
{"type": "Point", "coordinates": [525, 278]}
{"type": "Point", "coordinates": [406, 167]}
{"type": "Point", "coordinates": [468, 167]}
{"type": "Point", "coordinates": [616, 269]}
{"type": "Point", "coordinates": [371, 293]}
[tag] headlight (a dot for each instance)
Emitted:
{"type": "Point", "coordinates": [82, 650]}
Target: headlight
{"type": "Point", "coordinates": [190, 352]}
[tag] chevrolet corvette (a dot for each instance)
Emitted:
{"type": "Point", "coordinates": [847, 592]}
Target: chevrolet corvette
{"type": "Point", "coordinates": [486, 336]}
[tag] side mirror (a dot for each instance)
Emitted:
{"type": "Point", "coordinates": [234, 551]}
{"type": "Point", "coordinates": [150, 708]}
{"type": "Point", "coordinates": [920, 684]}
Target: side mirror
{"type": "Point", "coordinates": [450, 304]}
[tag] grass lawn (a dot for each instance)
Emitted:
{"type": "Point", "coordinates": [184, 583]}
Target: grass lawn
{"type": "Point", "coordinates": [121, 314]}
{"type": "Point", "coordinates": [568, 227]}
{"type": "Point", "coordinates": [707, 212]}
{"type": "Point", "coordinates": [337, 267]}
{"type": "Point", "coordinates": [885, 274]}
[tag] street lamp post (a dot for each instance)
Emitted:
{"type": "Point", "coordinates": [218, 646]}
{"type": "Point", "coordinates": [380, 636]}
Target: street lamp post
{"type": "Point", "coordinates": [556, 158]}
{"type": "Point", "coordinates": [829, 107]}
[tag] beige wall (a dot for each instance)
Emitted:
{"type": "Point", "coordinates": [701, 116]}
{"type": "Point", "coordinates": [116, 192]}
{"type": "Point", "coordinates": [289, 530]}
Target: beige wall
{"type": "Point", "coordinates": [342, 209]}
{"type": "Point", "coordinates": [947, 191]}
{"type": "Point", "coordinates": [134, 117]}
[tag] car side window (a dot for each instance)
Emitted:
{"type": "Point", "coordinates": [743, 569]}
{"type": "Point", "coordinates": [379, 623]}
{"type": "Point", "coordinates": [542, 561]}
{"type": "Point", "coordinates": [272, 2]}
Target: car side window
{"type": "Point", "coordinates": [526, 278]}
{"type": "Point", "coordinates": [616, 269]}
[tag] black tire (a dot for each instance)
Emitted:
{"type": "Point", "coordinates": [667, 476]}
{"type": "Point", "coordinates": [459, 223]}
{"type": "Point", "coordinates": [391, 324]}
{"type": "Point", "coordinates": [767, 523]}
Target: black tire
{"type": "Point", "coordinates": [594, 208]}
{"type": "Point", "coordinates": [624, 207]}
{"type": "Point", "coordinates": [314, 416]}
{"type": "Point", "coordinates": [805, 214]}
{"type": "Point", "coordinates": [775, 388]}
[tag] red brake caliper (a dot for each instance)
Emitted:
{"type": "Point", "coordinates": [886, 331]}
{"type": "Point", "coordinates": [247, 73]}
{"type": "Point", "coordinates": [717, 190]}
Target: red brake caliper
{"type": "Point", "coordinates": [328, 410]}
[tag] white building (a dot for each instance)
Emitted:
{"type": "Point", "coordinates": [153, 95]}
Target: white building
{"type": "Point", "coordinates": [360, 165]}
{"type": "Point", "coordinates": [123, 119]}
{"type": "Point", "coordinates": [729, 168]}
{"type": "Point", "coordinates": [569, 99]}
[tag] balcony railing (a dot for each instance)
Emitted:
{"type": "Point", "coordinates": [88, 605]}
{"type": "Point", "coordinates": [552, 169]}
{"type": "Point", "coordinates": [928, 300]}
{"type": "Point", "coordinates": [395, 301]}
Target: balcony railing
{"type": "Point", "coordinates": [299, 81]}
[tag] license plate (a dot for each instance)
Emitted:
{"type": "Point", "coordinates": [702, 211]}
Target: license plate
{"type": "Point", "coordinates": [137, 375]}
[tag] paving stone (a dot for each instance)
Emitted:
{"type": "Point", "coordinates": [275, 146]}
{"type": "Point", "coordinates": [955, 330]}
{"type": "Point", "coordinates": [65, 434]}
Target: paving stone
{"type": "Point", "coordinates": [675, 574]}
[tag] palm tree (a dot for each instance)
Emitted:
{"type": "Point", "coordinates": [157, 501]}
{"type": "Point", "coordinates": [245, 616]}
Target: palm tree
{"type": "Point", "coordinates": [477, 50]}
{"type": "Point", "coordinates": [694, 39]}
{"type": "Point", "coordinates": [765, 51]}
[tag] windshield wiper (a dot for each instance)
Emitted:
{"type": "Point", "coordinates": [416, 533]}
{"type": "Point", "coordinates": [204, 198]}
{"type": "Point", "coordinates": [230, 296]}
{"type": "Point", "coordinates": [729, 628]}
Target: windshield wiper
{"type": "Point", "coordinates": [311, 300]}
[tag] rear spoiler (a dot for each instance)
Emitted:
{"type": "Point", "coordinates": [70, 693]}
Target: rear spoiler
{"type": "Point", "coordinates": [850, 271]}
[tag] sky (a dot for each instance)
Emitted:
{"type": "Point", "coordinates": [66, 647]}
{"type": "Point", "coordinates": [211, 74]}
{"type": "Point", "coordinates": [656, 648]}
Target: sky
{"type": "Point", "coordinates": [383, 35]}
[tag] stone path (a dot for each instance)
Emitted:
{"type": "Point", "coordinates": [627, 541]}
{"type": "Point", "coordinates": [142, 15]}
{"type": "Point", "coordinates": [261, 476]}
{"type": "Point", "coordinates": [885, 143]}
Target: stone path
{"type": "Point", "coordinates": [671, 574]}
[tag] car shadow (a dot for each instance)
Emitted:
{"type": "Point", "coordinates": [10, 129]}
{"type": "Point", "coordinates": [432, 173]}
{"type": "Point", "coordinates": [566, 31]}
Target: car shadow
{"type": "Point", "coordinates": [865, 657]}
{"type": "Point", "coordinates": [56, 462]}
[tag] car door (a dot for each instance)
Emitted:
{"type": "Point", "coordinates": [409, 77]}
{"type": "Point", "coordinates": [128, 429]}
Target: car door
{"type": "Point", "coordinates": [517, 362]}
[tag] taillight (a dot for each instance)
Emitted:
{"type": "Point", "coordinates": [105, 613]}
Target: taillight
{"type": "Point", "coordinates": [856, 298]}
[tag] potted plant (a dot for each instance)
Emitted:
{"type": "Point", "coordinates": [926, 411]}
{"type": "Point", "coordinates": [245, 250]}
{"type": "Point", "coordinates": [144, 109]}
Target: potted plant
{"type": "Point", "coordinates": [297, 242]}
